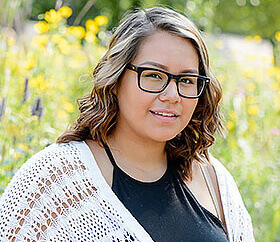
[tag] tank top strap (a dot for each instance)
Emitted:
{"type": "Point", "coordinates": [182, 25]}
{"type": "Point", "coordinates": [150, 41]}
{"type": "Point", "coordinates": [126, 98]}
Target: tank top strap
{"type": "Point", "coordinates": [109, 154]}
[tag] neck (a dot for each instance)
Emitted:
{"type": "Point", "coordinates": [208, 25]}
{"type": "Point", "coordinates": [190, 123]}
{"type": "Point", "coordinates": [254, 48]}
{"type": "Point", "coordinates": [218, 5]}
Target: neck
{"type": "Point", "coordinates": [143, 156]}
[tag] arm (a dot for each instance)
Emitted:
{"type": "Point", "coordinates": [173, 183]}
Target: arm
{"type": "Point", "coordinates": [41, 196]}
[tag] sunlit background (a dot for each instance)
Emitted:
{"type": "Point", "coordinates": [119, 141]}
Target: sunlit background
{"type": "Point", "coordinates": [48, 50]}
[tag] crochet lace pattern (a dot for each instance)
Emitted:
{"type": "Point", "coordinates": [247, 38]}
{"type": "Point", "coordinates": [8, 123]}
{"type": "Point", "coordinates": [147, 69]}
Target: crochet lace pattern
{"type": "Point", "coordinates": [51, 198]}
{"type": "Point", "coordinates": [59, 194]}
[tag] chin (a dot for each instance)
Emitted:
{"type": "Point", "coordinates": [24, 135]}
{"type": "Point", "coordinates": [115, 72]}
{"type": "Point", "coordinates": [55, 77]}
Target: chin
{"type": "Point", "coordinates": [163, 137]}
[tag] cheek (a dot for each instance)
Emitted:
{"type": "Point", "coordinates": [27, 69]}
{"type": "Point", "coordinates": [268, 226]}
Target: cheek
{"type": "Point", "coordinates": [132, 101]}
{"type": "Point", "coordinates": [131, 98]}
{"type": "Point", "coordinates": [189, 107]}
{"type": "Point", "coordinates": [134, 106]}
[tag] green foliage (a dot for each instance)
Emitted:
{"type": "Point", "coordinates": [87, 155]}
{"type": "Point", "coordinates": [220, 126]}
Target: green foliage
{"type": "Point", "coordinates": [39, 85]}
{"type": "Point", "coordinates": [261, 19]}
{"type": "Point", "coordinates": [253, 17]}
{"type": "Point", "coordinates": [42, 78]}
{"type": "Point", "coordinates": [251, 148]}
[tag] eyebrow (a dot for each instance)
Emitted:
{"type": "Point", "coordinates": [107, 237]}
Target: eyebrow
{"type": "Point", "coordinates": [166, 68]}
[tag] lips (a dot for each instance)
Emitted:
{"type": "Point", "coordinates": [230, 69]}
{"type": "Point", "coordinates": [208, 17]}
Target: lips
{"type": "Point", "coordinates": [164, 115]}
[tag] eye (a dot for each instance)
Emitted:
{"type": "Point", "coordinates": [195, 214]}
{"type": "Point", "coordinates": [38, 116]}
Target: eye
{"type": "Point", "coordinates": [187, 80]}
{"type": "Point", "coordinates": [153, 75]}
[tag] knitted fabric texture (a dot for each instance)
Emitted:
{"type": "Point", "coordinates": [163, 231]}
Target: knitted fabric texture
{"type": "Point", "coordinates": [59, 194]}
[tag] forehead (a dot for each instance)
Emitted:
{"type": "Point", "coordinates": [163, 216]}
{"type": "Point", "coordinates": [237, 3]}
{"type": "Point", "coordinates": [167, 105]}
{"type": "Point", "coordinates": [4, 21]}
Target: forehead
{"type": "Point", "coordinates": [165, 48]}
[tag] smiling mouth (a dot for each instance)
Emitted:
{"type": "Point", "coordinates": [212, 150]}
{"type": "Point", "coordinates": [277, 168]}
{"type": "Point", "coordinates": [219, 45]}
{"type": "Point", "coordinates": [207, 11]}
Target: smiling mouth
{"type": "Point", "coordinates": [163, 114]}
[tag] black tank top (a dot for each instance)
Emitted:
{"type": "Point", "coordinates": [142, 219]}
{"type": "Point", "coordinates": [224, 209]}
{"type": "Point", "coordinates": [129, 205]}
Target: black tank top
{"type": "Point", "coordinates": [166, 208]}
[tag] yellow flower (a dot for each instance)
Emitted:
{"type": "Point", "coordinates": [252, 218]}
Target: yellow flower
{"type": "Point", "coordinates": [41, 27]}
{"type": "Point", "coordinates": [64, 46]}
{"type": "Point", "coordinates": [30, 62]}
{"type": "Point", "coordinates": [43, 86]}
{"type": "Point", "coordinates": [68, 107]}
{"type": "Point", "coordinates": [32, 82]}
{"type": "Point", "coordinates": [63, 99]}
{"type": "Point", "coordinates": [251, 100]}
{"type": "Point", "coordinates": [62, 115]}
{"type": "Point", "coordinates": [252, 124]}
{"type": "Point", "coordinates": [248, 38]}
{"type": "Point", "coordinates": [271, 71]}
{"type": "Point", "coordinates": [34, 118]}
{"type": "Point", "coordinates": [232, 115]}
{"type": "Point", "coordinates": [62, 86]}
{"type": "Point", "coordinates": [65, 11]}
{"type": "Point", "coordinates": [56, 38]}
{"type": "Point", "coordinates": [101, 20]}
{"type": "Point", "coordinates": [22, 146]}
{"type": "Point", "coordinates": [77, 31]}
{"type": "Point", "coordinates": [90, 37]}
{"type": "Point", "coordinates": [275, 86]}
{"type": "Point", "coordinates": [53, 16]}
{"type": "Point", "coordinates": [230, 125]}
{"type": "Point", "coordinates": [249, 73]}
{"type": "Point", "coordinates": [251, 86]}
{"type": "Point", "coordinates": [258, 39]}
{"type": "Point", "coordinates": [277, 36]}
{"type": "Point", "coordinates": [92, 26]}
{"type": "Point", "coordinates": [10, 128]}
{"type": "Point", "coordinates": [232, 143]}
{"type": "Point", "coordinates": [41, 40]}
{"type": "Point", "coordinates": [39, 82]}
{"type": "Point", "coordinates": [253, 110]}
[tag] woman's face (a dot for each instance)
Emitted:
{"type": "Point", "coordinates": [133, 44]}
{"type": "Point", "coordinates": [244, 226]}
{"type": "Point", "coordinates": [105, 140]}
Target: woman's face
{"type": "Point", "coordinates": [141, 113]}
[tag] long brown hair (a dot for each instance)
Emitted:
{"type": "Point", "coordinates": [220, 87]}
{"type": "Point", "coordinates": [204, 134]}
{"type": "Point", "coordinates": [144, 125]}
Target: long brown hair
{"type": "Point", "coordinates": [99, 109]}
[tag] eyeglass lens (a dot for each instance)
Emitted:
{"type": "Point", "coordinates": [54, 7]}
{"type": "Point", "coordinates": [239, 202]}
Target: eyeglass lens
{"type": "Point", "coordinates": [152, 80]}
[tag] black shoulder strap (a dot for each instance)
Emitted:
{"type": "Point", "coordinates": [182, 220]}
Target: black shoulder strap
{"type": "Point", "coordinates": [109, 154]}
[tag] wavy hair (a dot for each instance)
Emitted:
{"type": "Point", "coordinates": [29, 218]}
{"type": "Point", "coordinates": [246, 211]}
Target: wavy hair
{"type": "Point", "coordinates": [99, 109]}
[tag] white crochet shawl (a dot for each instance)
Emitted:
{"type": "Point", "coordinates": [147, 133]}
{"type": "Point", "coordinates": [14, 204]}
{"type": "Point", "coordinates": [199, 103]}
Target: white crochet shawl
{"type": "Point", "coordinates": [59, 194]}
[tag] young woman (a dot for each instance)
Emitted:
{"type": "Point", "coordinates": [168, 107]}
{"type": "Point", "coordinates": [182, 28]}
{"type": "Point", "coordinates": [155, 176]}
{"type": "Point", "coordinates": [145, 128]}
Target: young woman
{"type": "Point", "coordinates": [135, 166]}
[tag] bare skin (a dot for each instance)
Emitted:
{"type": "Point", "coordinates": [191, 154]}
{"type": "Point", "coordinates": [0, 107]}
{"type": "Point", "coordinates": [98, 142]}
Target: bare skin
{"type": "Point", "coordinates": [139, 137]}
{"type": "Point", "coordinates": [197, 186]}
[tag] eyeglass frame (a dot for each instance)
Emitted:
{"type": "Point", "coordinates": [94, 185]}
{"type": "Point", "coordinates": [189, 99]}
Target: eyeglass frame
{"type": "Point", "coordinates": [139, 70]}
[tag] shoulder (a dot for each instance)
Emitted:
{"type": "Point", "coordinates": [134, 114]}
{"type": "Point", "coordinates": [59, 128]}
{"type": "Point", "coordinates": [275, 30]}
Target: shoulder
{"type": "Point", "coordinates": [54, 155]}
{"type": "Point", "coordinates": [55, 158]}
{"type": "Point", "coordinates": [227, 185]}
{"type": "Point", "coordinates": [239, 224]}
{"type": "Point", "coordinates": [43, 163]}
{"type": "Point", "coordinates": [223, 175]}
{"type": "Point", "coordinates": [38, 190]}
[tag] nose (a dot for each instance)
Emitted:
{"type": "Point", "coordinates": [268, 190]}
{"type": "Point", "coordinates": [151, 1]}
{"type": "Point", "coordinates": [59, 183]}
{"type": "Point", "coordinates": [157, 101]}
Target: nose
{"type": "Point", "coordinates": [170, 93]}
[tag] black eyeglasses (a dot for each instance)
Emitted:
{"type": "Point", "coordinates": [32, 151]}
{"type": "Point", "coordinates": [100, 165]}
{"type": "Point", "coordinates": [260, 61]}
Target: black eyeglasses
{"type": "Point", "coordinates": [155, 81]}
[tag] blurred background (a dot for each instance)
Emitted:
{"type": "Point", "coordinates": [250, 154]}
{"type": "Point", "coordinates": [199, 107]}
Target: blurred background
{"type": "Point", "coordinates": [48, 50]}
